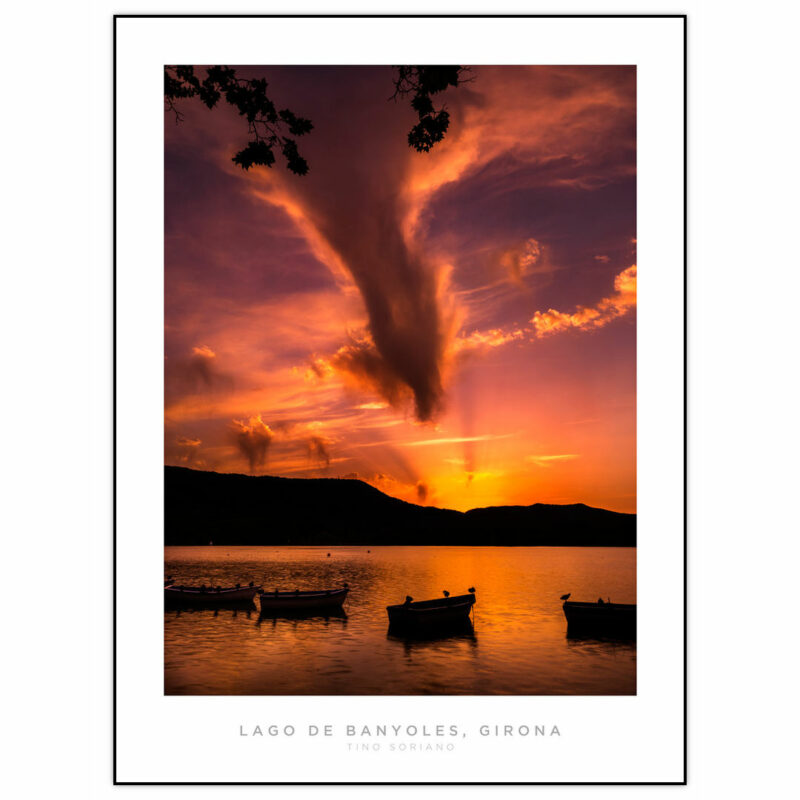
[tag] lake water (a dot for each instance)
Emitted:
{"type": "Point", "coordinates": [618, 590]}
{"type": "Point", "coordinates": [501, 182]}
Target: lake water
{"type": "Point", "coordinates": [518, 644]}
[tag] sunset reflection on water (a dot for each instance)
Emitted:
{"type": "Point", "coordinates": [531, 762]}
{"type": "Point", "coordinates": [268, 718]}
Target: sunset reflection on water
{"type": "Point", "coordinates": [517, 644]}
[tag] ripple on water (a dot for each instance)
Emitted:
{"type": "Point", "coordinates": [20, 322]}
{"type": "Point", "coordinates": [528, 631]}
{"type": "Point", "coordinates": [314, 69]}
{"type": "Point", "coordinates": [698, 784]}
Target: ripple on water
{"type": "Point", "coordinates": [518, 645]}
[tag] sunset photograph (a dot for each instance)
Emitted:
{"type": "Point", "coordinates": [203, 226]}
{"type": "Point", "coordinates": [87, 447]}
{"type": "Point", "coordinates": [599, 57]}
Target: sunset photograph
{"type": "Point", "coordinates": [400, 380]}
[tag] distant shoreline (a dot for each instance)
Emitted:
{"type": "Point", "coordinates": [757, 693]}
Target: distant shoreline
{"type": "Point", "coordinates": [337, 478]}
{"type": "Point", "coordinates": [241, 510]}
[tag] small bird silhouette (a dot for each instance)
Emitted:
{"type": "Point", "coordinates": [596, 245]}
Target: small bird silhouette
{"type": "Point", "coordinates": [566, 596]}
{"type": "Point", "coordinates": [446, 593]}
{"type": "Point", "coordinates": [471, 590]}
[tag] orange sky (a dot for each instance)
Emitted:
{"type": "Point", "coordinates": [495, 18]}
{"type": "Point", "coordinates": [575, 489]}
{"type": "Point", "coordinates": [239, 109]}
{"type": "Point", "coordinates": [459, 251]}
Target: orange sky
{"type": "Point", "coordinates": [457, 328]}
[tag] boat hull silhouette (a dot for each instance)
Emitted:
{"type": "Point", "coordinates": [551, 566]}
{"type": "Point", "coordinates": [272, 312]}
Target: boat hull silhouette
{"type": "Point", "coordinates": [441, 612]}
{"type": "Point", "coordinates": [209, 598]}
{"type": "Point", "coordinates": [315, 600]}
{"type": "Point", "coordinates": [600, 616]}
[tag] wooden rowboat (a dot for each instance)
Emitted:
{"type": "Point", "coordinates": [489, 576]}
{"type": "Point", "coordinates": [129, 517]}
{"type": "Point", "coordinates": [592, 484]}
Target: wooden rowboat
{"type": "Point", "coordinates": [277, 602]}
{"type": "Point", "coordinates": [600, 616]}
{"type": "Point", "coordinates": [209, 596]}
{"type": "Point", "coordinates": [442, 611]}
{"type": "Point", "coordinates": [420, 635]}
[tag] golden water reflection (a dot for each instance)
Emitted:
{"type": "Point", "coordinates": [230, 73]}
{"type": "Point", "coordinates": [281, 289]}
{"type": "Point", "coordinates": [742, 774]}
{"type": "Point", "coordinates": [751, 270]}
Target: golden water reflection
{"type": "Point", "coordinates": [516, 643]}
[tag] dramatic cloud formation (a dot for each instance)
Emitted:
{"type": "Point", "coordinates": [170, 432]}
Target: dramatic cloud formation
{"type": "Point", "coordinates": [608, 309]}
{"type": "Point", "coordinates": [519, 261]}
{"type": "Point", "coordinates": [318, 450]}
{"type": "Point", "coordinates": [362, 363]}
{"type": "Point", "coordinates": [494, 337]}
{"type": "Point", "coordinates": [253, 439]}
{"type": "Point", "coordinates": [201, 368]}
{"type": "Point", "coordinates": [198, 374]}
{"type": "Point", "coordinates": [188, 450]}
{"type": "Point", "coordinates": [372, 230]}
{"type": "Point", "coordinates": [353, 218]}
{"type": "Point", "coordinates": [405, 317]}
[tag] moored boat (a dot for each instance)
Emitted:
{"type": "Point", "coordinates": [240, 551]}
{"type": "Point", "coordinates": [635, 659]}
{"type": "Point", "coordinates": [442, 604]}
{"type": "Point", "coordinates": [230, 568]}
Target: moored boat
{"type": "Point", "coordinates": [209, 595]}
{"type": "Point", "coordinates": [276, 602]}
{"type": "Point", "coordinates": [600, 616]}
{"type": "Point", "coordinates": [420, 635]}
{"type": "Point", "coordinates": [442, 611]}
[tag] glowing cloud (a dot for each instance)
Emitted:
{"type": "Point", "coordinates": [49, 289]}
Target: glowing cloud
{"type": "Point", "coordinates": [608, 309]}
{"type": "Point", "coordinates": [481, 340]}
{"type": "Point", "coordinates": [318, 450]}
{"type": "Point", "coordinates": [204, 351]}
{"type": "Point", "coordinates": [253, 439]}
{"type": "Point", "coordinates": [546, 461]}
{"type": "Point", "coordinates": [456, 440]}
{"type": "Point", "coordinates": [188, 451]}
{"type": "Point", "coordinates": [519, 261]}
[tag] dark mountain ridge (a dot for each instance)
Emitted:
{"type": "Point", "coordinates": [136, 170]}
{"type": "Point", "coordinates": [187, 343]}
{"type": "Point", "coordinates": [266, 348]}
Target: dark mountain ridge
{"type": "Point", "coordinates": [265, 510]}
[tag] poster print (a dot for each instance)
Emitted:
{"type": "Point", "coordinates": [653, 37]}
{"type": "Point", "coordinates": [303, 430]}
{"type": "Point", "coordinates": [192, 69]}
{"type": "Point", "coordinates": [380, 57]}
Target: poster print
{"type": "Point", "coordinates": [399, 395]}
{"type": "Point", "coordinates": [397, 332]}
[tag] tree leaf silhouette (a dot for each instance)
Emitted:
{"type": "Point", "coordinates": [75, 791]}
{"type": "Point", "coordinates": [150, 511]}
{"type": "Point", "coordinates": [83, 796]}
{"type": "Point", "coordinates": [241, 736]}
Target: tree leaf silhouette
{"type": "Point", "coordinates": [255, 153]}
{"type": "Point", "coordinates": [265, 125]}
{"type": "Point", "coordinates": [420, 82]}
{"type": "Point", "coordinates": [268, 127]}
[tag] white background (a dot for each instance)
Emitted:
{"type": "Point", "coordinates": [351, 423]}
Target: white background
{"type": "Point", "coordinates": [603, 739]}
{"type": "Point", "coordinates": [56, 471]}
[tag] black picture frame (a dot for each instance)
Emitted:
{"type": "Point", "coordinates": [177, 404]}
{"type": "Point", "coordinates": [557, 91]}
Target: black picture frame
{"type": "Point", "coordinates": [684, 779]}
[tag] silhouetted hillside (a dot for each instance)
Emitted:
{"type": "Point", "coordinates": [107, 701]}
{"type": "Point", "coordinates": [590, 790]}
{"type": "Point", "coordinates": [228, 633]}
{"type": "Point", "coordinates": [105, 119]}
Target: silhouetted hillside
{"type": "Point", "coordinates": [240, 509]}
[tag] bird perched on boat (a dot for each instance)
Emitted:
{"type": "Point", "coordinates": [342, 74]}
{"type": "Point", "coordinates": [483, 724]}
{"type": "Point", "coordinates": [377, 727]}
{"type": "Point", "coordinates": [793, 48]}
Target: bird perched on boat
{"type": "Point", "coordinates": [471, 590]}
{"type": "Point", "coordinates": [566, 596]}
{"type": "Point", "coordinates": [446, 593]}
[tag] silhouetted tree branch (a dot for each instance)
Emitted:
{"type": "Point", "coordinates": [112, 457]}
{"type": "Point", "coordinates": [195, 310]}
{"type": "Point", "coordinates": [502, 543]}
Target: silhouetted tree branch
{"type": "Point", "coordinates": [271, 129]}
{"type": "Point", "coordinates": [421, 82]}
